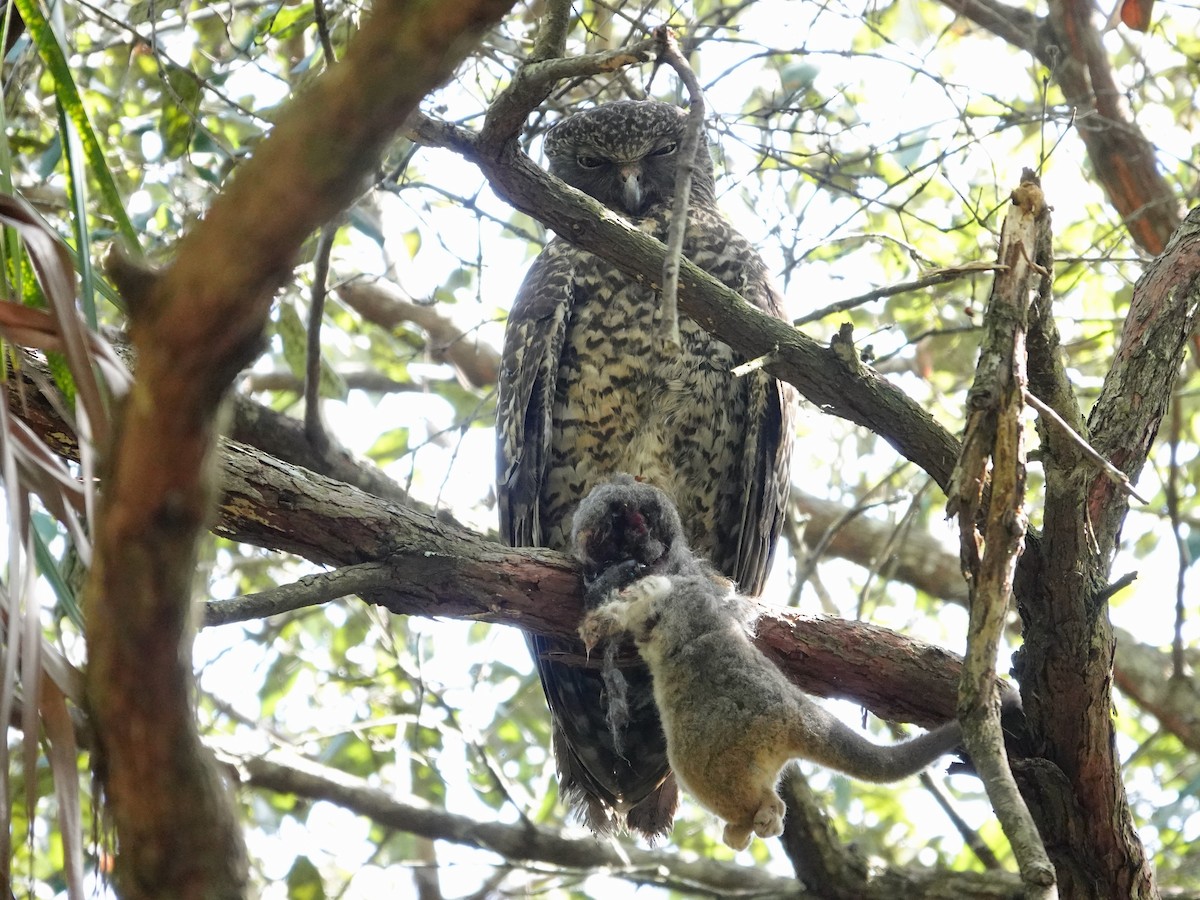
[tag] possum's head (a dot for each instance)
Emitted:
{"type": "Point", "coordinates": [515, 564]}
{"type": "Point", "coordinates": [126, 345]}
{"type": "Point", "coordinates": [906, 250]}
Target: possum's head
{"type": "Point", "coordinates": [626, 522]}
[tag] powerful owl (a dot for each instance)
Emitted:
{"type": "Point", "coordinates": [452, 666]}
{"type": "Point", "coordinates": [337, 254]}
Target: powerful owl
{"type": "Point", "coordinates": [588, 390]}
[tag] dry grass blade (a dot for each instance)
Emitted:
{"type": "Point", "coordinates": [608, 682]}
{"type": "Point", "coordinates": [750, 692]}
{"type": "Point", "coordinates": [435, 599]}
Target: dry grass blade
{"type": "Point", "coordinates": [35, 674]}
{"type": "Point", "coordinates": [63, 756]}
{"type": "Point", "coordinates": [30, 327]}
{"type": "Point", "coordinates": [52, 264]}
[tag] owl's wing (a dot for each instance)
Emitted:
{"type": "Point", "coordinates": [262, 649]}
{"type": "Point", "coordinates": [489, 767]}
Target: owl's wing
{"type": "Point", "coordinates": [533, 342]}
{"type": "Point", "coordinates": [605, 785]}
{"type": "Point", "coordinates": [765, 480]}
{"type": "Point", "coordinates": [752, 518]}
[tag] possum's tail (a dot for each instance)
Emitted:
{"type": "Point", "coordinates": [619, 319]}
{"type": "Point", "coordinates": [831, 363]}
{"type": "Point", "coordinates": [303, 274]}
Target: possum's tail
{"type": "Point", "coordinates": [826, 740]}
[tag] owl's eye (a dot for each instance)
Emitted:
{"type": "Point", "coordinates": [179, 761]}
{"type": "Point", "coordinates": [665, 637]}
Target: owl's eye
{"type": "Point", "coordinates": [589, 162]}
{"type": "Point", "coordinates": [665, 149]}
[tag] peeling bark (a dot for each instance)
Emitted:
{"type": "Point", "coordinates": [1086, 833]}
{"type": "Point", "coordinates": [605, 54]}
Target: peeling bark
{"type": "Point", "coordinates": [1065, 667]}
{"type": "Point", "coordinates": [993, 527]}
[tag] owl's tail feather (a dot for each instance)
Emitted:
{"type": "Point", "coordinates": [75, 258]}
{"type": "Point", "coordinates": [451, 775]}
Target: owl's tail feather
{"type": "Point", "coordinates": [654, 816]}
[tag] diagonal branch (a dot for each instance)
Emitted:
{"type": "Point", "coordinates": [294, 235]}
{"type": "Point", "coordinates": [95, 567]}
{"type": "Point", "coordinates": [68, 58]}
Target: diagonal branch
{"type": "Point", "coordinates": [1124, 421]}
{"type": "Point", "coordinates": [193, 329]}
{"type": "Point", "coordinates": [856, 393]}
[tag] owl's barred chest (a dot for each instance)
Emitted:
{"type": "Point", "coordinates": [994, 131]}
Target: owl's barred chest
{"type": "Point", "coordinates": [616, 373]}
{"type": "Point", "coordinates": [624, 404]}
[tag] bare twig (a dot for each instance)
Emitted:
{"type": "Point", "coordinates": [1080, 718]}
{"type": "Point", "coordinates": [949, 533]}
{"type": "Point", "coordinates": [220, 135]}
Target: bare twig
{"type": "Point", "coordinates": [670, 53]}
{"type": "Point", "coordinates": [1183, 555]}
{"type": "Point", "coordinates": [1115, 475]}
{"type": "Point", "coordinates": [314, 428]}
{"type": "Point", "coordinates": [830, 533]}
{"type": "Point", "coordinates": [929, 279]}
{"type": "Point", "coordinates": [311, 590]}
{"type": "Point", "coordinates": [759, 362]}
{"type": "Point", "coordinates": [371, 380]}
{"type": "Point", "coordinates": [970, 836]}
{"type": "Point", "coordinates": [323, 31]}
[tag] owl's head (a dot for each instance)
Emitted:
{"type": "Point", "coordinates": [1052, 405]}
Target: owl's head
{"type": "Point", "coordinates": [625, 155]}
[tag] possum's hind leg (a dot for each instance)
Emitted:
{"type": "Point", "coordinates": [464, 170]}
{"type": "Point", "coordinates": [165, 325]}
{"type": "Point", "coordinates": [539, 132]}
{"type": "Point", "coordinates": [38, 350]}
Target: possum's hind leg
{"type": "Point", "coordinates": [766, 822]}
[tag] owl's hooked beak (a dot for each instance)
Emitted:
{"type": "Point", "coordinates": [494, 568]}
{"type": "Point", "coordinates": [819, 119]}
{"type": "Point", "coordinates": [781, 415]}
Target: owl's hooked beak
{"type": "Point", "coordinates": [630, 175]}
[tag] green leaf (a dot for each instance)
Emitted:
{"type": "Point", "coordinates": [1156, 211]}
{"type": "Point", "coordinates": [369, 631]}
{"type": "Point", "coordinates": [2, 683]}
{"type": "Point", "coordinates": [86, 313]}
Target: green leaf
{"type": "Point", "coordinates": [68, 95]}
{"type": "Point", "coordinates": [294, 335]}
{"type": "Point", "coordinates": [45, 529]}
{"type": "Point", "coordinates": [412, 242]}
{"type": "Point", "coordinates": [181, 103]}
{"type": "Point", "coordinates": [390, 445]}
{"type": "Point", "coordinates": [293, 332]}
{"type": "Point", "coordinates": [77, 194]}
{"type": "Point", "coordinates": [304, 881]}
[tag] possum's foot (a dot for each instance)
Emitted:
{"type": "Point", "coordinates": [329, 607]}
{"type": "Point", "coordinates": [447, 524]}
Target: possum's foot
{"type": "Point", "coordinates": [602, 588]}
{"type": "Point", "coordinates": [736, 836]}
{"type": "Point", "coordinates": [603, 622]}
{"type": "Point", "coordinates": [768, 821]}
{"type": "Point", "coordinates": [652, 587]}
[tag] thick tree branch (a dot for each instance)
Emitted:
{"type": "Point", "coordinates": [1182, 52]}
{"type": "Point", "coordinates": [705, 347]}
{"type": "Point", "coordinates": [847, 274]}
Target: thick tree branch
{"type": "Point", "coordinates": [283, 436]}
{"type": "Point", "coordinates": [194, 328]}
{"type": "Point", "coordinates": [1122, 157]}
{"type": "Point", "coordinates": [1124, 421]}
{"type": "Point", "coordinates": [515, 843]}
{"type": "Point", "coordinates": [438, 569]}
{"type": "Point", "coordinates": [811, 842]}
{"type": "Point", "coordinates": [1065, 668]}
